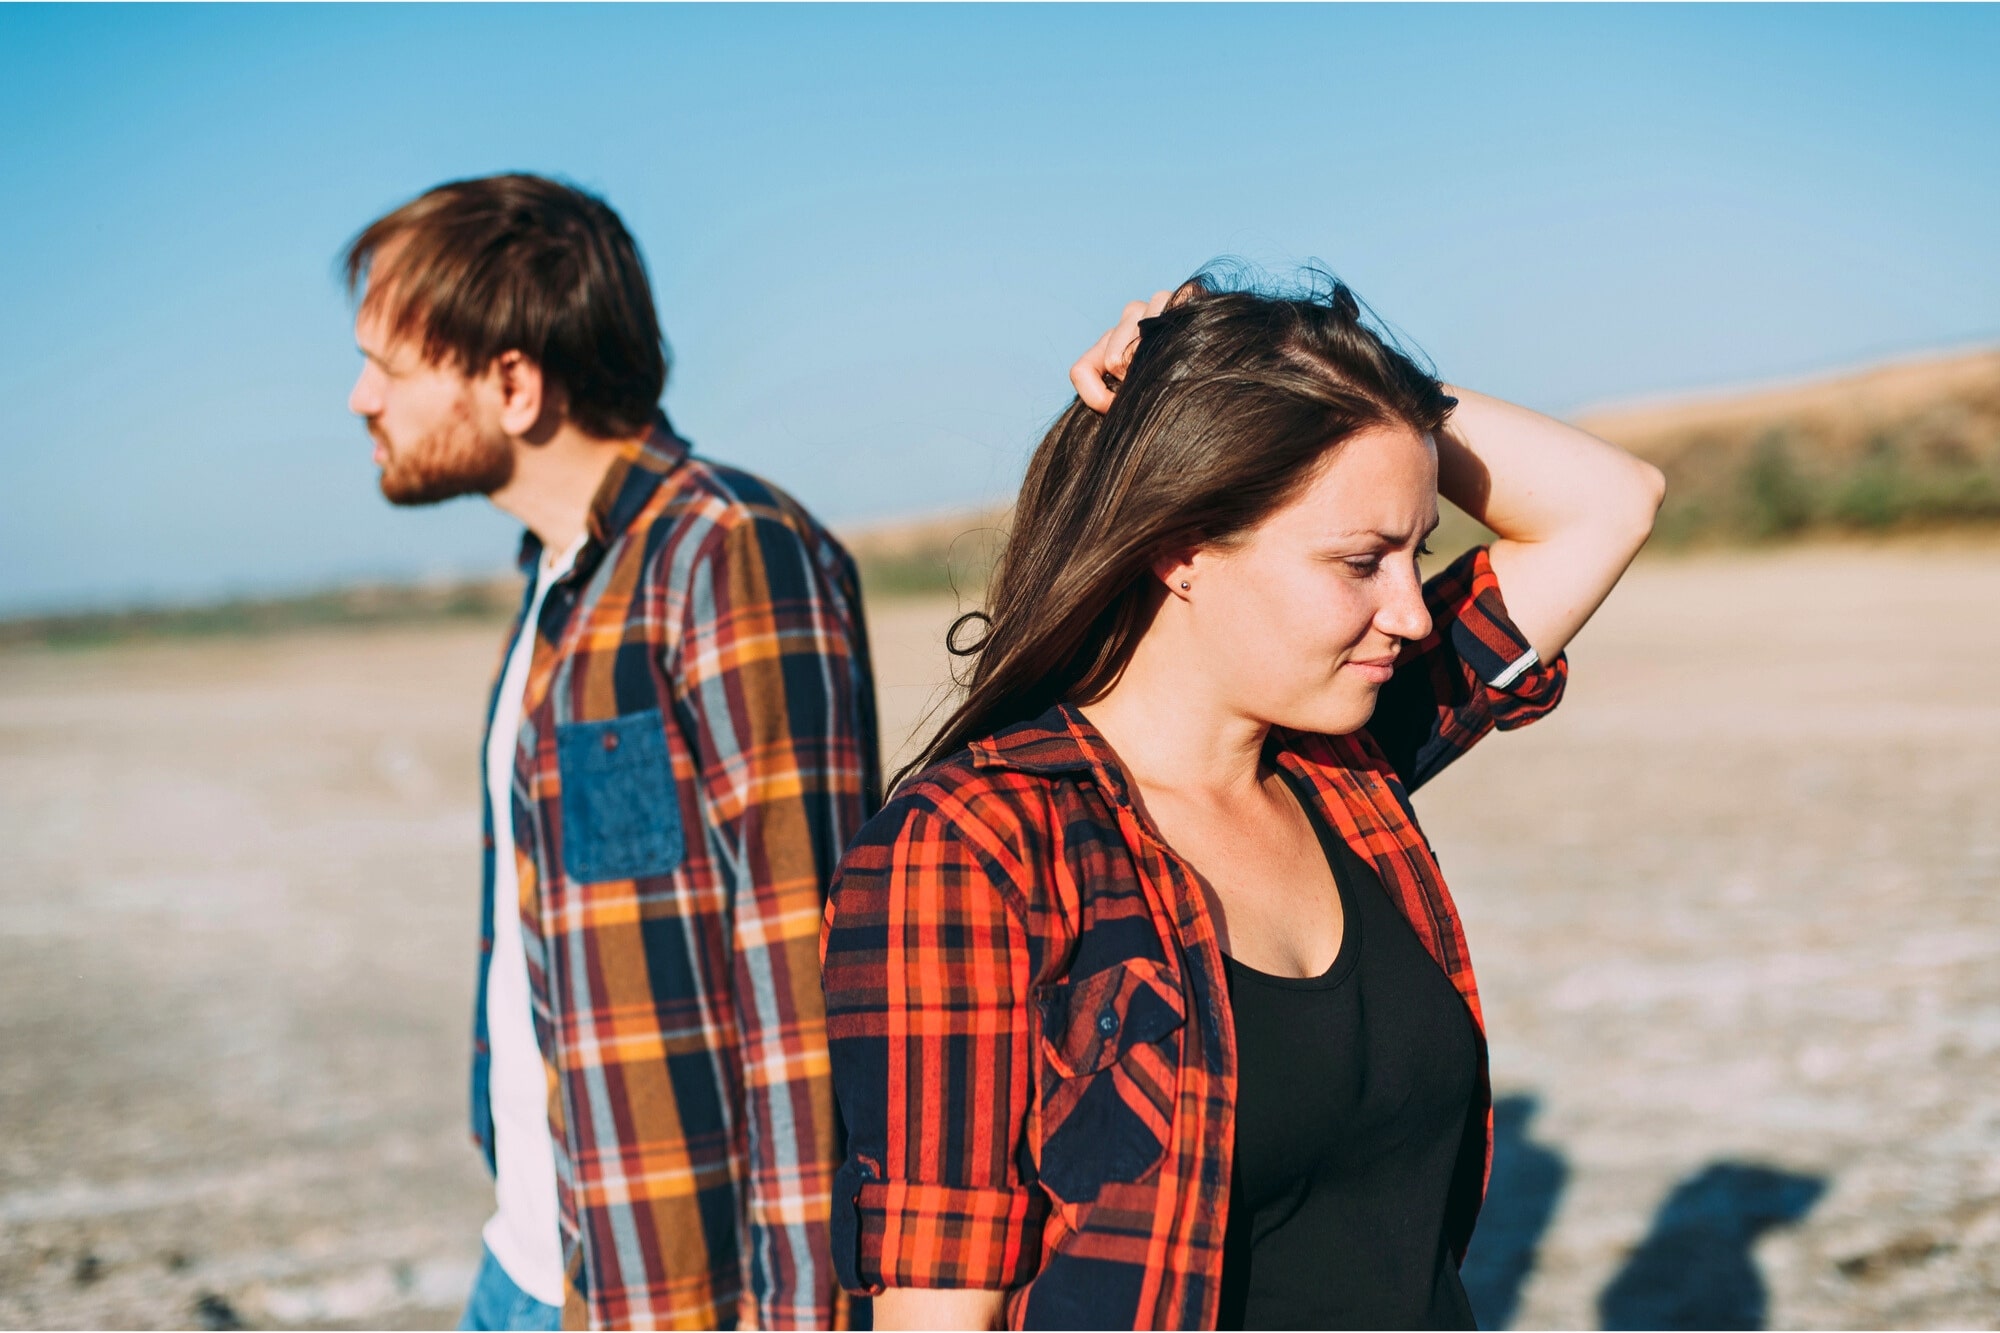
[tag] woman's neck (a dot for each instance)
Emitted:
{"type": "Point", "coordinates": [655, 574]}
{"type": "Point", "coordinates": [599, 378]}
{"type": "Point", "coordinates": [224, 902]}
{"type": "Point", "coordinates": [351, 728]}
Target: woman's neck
{"type": "Point", "coordinates": [1172, 734]}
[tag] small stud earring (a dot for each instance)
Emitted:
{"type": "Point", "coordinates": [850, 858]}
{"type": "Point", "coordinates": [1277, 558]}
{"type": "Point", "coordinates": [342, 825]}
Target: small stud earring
{"type": "Point", "coordinates": [1184, 584]}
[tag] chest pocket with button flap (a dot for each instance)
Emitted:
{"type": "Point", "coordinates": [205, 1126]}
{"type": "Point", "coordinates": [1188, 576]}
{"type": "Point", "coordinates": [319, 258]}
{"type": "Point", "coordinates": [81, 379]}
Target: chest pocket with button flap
{"type": "Point", "coordinates": [621, 816]}
{"type": "Point", "coordinates": [1111, 1076]}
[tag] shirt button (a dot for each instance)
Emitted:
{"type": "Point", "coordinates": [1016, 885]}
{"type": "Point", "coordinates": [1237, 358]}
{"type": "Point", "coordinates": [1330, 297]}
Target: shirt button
{"type": "Point", "coordinates": [610, 740]}
{"type": "Point", "coordinates": [1107, 1022]}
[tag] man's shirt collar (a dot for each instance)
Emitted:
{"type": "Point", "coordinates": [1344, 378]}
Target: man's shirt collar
{"type": "Point", "coordinates": [641, 467]}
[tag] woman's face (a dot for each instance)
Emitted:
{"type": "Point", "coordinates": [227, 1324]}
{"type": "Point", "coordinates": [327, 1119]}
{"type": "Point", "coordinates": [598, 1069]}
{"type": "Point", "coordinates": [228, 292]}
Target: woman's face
{"type": "Point", "coordinates": [1299, 624]}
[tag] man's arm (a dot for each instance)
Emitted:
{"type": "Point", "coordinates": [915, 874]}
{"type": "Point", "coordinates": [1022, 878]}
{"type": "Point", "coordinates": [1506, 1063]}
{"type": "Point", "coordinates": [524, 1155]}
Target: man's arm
{"type": "Point", "coordinates": [774, 675]}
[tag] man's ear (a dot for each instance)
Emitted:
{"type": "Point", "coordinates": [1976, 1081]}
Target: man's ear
{"type": "Point", "coordinates": [522, 392]}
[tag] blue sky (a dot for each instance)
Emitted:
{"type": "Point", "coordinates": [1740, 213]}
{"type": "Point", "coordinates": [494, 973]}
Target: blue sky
{"type": "Point", "coordinates": [879, 235]}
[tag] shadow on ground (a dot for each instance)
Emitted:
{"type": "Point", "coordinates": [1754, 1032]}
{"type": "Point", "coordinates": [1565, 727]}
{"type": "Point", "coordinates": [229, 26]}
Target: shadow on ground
{"type": "Point", "coordinates": [1527, 1182]}
{"type": "Point", "coordinates": [1695, 1268]}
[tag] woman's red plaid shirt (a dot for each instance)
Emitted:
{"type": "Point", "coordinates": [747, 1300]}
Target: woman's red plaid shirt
{"type": "Point", "coordinates": [1031, 1036]}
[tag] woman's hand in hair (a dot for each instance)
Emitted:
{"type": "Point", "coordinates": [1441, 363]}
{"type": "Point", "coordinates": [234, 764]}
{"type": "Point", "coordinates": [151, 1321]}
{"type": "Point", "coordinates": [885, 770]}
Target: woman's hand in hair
{"type": "Point", "coordinates": [1097, 373]}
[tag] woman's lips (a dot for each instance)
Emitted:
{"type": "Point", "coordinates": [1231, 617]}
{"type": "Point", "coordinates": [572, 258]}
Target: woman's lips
{"type": "Point", "coordinates": [1377, 669]}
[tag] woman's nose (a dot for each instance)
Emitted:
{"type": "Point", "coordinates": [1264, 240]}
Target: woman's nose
{"type": "Point", "coordinates": [1405, 616]}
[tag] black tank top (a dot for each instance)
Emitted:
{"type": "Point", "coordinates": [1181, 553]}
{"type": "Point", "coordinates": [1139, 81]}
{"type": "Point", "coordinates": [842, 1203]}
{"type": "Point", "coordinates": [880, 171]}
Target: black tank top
{"type": "Point", "coordinates": [1353, 1092]}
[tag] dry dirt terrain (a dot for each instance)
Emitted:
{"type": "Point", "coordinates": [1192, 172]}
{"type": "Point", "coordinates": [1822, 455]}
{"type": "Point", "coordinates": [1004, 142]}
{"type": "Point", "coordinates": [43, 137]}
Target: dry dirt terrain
{"type": "Point", "coordinates": [1736, 908]}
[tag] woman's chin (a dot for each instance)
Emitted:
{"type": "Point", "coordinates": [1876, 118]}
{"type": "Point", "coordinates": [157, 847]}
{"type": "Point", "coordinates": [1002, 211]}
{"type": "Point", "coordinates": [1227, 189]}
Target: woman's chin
{"type": "Point", "coordinates": [1334, 714]}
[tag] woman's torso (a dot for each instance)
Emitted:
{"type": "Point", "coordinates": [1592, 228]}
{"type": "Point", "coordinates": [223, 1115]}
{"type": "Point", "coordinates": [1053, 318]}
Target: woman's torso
{"type": "Point", "coordinates": [1028, 1010]}
{"type": "Point", "coordinates": [1353, 1111]}
{"type": "Point", "coordinates": [1059, 978]}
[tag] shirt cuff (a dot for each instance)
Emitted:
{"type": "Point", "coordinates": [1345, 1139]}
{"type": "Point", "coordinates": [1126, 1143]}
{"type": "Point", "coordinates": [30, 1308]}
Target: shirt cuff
{"type": "Point", "coordinates": [902, 1234]}
{"type": "Point", "coordinates": [1492, 646]}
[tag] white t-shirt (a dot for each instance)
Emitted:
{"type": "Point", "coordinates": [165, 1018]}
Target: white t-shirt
{"type": "Point", "coordinates": [523, 1234]}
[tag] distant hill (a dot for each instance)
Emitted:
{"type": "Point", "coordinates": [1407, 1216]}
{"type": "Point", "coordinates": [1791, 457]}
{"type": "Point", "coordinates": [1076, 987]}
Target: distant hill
{"type": "Point", "coordinates": [1909, 445]}
{"type": "Point", "coordinates": [928, 555]}
{"type": "Point", "coordinates": [492, 599]}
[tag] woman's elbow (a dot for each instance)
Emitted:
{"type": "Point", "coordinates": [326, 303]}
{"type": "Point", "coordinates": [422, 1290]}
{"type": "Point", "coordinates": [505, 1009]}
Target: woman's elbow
{"type": "Point", "coordinates": [1644, 494]}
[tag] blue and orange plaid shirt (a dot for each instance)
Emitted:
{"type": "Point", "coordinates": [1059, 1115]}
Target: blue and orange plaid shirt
{"type": "Point", "coordinates": [697, 746]}
{"type": "Point", "coordinates": [1030, 1021]}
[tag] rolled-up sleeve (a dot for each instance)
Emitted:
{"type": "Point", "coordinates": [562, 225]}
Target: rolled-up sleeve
{"type": "Point", "coordinates": [1473, 673]}
{"type": "Point", "coordinates": [927, 972]}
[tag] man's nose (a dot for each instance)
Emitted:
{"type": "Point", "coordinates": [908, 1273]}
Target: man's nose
{"type": "Point", "coordinates": [362, 400]}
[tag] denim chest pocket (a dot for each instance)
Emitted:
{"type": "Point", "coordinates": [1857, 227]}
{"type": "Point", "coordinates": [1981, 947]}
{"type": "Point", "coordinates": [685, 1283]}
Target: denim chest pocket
{"type": "Point", "coordinates": [1111, 1076]}
{"type": "Point", "coordinates": [621, 815]}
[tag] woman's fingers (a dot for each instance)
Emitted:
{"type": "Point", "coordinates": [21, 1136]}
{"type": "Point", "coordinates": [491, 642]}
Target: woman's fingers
{"type": "Point", "coordinates": [1087, 376]}
{"type": "Point", "coordinates": [1097, 372]}
{"type": "Point", "coordinates": [1124, 340]}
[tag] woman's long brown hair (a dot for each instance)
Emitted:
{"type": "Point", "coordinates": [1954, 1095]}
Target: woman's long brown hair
{"type": "Point", "coordinates": [1232, 400]}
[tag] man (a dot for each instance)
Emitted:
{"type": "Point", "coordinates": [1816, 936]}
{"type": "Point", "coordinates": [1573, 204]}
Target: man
{"type": "Point", "coordinates": [680, 744]}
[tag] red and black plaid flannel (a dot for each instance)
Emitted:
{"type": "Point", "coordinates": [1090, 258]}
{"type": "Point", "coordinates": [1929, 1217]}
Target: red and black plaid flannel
{"type": "Point", "coordinates": [1031, 1035]}
{"type": "Point", "coordinates": [697, 746]}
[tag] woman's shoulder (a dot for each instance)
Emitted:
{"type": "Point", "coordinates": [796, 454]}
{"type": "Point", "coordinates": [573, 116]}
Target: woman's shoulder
{"type": "Point", "coordinates": [957, 794]}
{"type": "Point", "coordinates": [1008, 780]}
{"type": "Point", "coordinates": [969, 809]}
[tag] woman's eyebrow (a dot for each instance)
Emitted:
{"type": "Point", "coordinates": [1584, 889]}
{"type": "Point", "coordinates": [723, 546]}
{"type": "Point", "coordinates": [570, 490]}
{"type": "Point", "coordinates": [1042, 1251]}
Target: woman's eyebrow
{"type": "Point", "coordinates": [1392, 538]}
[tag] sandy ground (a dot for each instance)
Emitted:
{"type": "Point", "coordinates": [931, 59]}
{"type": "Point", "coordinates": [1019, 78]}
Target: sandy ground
{"type": "Point", "coordinates": [1736, 908]}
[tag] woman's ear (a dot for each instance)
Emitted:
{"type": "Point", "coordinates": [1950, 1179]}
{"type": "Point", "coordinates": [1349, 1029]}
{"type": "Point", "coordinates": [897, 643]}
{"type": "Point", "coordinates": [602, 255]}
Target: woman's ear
{"type": "Point", "coordinates": [1176, 570]}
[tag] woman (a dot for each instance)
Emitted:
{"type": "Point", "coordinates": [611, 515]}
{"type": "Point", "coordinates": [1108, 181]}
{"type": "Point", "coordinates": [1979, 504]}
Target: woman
{"type": "Point", "coordinates": [1148, 1005]}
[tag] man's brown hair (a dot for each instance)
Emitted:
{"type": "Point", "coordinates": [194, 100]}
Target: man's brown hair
{"type": "Point", "coordinates": [475, 268]}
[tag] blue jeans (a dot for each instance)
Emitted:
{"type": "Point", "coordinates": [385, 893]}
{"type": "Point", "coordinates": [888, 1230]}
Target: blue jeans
{"type": "Point", "coordinates": [498, 1304]}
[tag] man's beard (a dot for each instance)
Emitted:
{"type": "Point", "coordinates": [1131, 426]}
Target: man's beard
{"type": "Point", "coordinates": [453, 460]}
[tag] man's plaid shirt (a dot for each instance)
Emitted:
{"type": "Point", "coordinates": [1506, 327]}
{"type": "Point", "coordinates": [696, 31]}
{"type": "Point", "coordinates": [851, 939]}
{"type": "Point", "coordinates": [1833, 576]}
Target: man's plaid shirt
{"type": "Point", "coordinates": [698, 745]}
{"type": "Point", "coordinates": [1029, 1016]}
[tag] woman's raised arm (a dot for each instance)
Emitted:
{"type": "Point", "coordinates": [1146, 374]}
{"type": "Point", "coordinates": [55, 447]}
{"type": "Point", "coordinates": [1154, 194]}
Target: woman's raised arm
{"type": "Point", "coordinates": [1569, 510]}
